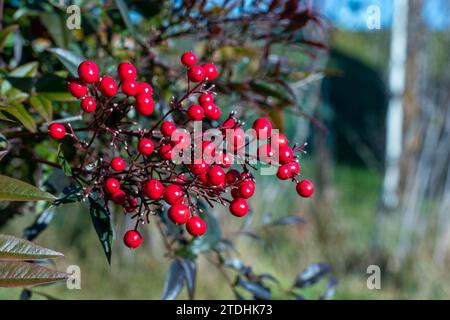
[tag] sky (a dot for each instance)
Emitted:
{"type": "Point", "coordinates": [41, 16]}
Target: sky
{"type": "Point", "coordinates": [352, 14]}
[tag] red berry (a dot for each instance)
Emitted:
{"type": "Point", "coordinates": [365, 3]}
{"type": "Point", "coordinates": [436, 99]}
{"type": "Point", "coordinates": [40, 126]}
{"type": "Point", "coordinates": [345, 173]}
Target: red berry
{"type": "Point", "coordinates": [126, 70]}
{"type": "Point", "coordinates": [188, 59]}
{"type": "Point", "coordinates": [167, 128]}
{"type": "Point", "coordinates": [131, 205]}
{"type": "Point", "coordinates": [266, 154]}
{"type": "Point", "coordinates": [77, 88]}
{"type": "Point", "coordinates": [208, 151]}
{"type": "Point", "coordinates": [196, 74]}
{"type": "Point", "coordinates": [228, 124]}
{"type": "Point", "coordinates": [263, 128]}
{"type": "Point", "coordinates": [117, 164]}
{"type": "Point", "coordinates": [216, 175]}
{"type": "Point", "coordinates": [199, 168]}
{"type": "Point", "coordinates": [144, 104]}
{"type": "Point", "coordinates": [173, 194]}
{"type": "Point", "coordinates": [203, 178]}
{"type": "Point", "coordinates": [210, 71]}
{"type": "Point", "coordinates": [305, 188]}
{"type": "Point", "coordinates": [284, 172]}
{"type": "Point", "coordinates": [130, 87]}
{"type": "Point", "coordinates": [56, 131]}
{"type": "Point", "coordinates": [232, 176]}
{"type": "Point", "coordinates": [154, 189]}
{"type": "Point", "coordinates": [279, 140]}
{"type": "Point", "coordinates": [88, 104]}
{"type": "Point", "coordinates": [205, 98]}
{"type": "Point", "coordinates": [286, 155]}
{"type": "Point", "coordinates": [112, 185]}
{"type": "Point", "coordinates": [180, 178]}
{"type": "Point", "coordinates": [196, 226]}
{"type": "Point", "coordinates": [132, 239]}
{"type": "Point", "coordinates": [227, 160]}
{"type": "Point", "coordinates": [119, 197]}
{"type": "Point", "coordinates": [181, 139]}
{"type": "Point", "coordinates": [145, 88]}
{"type": "Point", "coordinates": [179, 214]}
{"type": "Point", "coordinates": [239, 207]}
{"type": "Point", "coordinates": [294, 167]}
{"type": "Point", "coordinates": [235, 139]}
{"type": "Point", "coordinates": [108, 87]}
{"type": "Point", "coordinates": [88, 71]}
{"type": "Point", "coordinates": [246, 189]}
{"type": "Point", "coordinates": [195, 112]}
{"type": "Point", "coordinates": [146, 146]}
{"type": "Point", "coordinates": [166, 152]}
{"type": "Point", "coordinates": [212, 112]}
{"type": "Point", "coordinates": [235, 193]}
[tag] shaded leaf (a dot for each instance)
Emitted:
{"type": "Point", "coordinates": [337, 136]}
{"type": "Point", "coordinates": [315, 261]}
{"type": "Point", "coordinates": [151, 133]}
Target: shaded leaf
{"type": "Point", "coordinates": [174, 282]}
{"type": "Point", "coordinates": [311, 275]}
{"type": "Point", "coordinates": [190, 273]}
{"type": "Point", "coordinates": [15, 190]}
{"type": "Point", "coordinates": [13, 248]}
{"type": "Point", "coordinates": [43, 106]}
{"type": "Point", "coordinates": [331, 286]}
{"type": "Point", "coordinates": [23, 274]}
{"type": "Point", "coordinates": [69, 59]}
{"type": "Point", "coordinates": [259, 291]}
{"type": "Point", "coordinates": [65, 166]}
{"type": "Point", "coordinates": [288, 220]}
{"type": "Point", "coordinates": [101, 218]}
{"type": "Point", "coordinates": [40, 224]}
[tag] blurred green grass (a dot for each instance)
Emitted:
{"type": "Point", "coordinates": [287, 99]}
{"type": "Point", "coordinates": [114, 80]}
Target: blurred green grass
{"type": "Point", "coordinates": [140, 274]}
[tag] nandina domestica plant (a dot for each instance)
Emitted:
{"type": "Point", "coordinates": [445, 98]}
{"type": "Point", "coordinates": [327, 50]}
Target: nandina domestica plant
{"type": "Point", "coordinates": [141, 169]}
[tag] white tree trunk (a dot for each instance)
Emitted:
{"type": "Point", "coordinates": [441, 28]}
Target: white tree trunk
{"type": "Point", "coordinates": [394, 121]}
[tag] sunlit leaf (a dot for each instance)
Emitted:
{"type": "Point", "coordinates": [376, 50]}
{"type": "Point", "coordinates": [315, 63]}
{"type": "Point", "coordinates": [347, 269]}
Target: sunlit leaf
{"type": "Point", "coordinates": [5, 33]}
{"type": "Point", "coordinates": [23, 274]}
{"type": "Point", "coordinates": [15, 190]}
{"type": "Point", "coordinates": [13, 248]}
{"type": "Point", "coordinates": [69, 59]}
{"type": "Point", "coordinates": [43, 106]}
{"type": "Point", "coordinates": [25, 70]}
{"type": "Point", "coordinates": [18, 111]}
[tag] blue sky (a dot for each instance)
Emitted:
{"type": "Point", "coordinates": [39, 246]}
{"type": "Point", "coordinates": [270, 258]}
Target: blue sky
{"type": "Point", "coordinates": [351, 14]}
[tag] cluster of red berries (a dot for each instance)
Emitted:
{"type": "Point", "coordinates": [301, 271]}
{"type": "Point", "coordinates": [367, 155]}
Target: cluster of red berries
{"type": "Point", "coordinates": [151, 177]}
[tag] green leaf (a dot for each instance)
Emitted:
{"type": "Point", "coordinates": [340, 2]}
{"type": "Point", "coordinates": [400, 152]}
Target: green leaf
{"type": "Point", "coordinates": [18, 111]}
{"type": "Point", "coordinates": [23, 274]}
{"type": "Point", "coordinates": [15, 190]}
{"type": "Point", "coordinates": [69, 59]}
{"type": "Point", "coordinates": [25, 70]}
{"type": "Point", "coordinates": [5, 33]}
{"type": "Point", "coordinates": [43, 106]}
{"type": "Point", "coordinates": [17, 249]}
{"type": "Point", "coordinates": [55, 25]}
{"type": "Point", "coordinates": [65, 166]}
{"type": "Point", "coordinates": [101, 218]}
{"type": "Point", "coordinates": [58, 96]}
